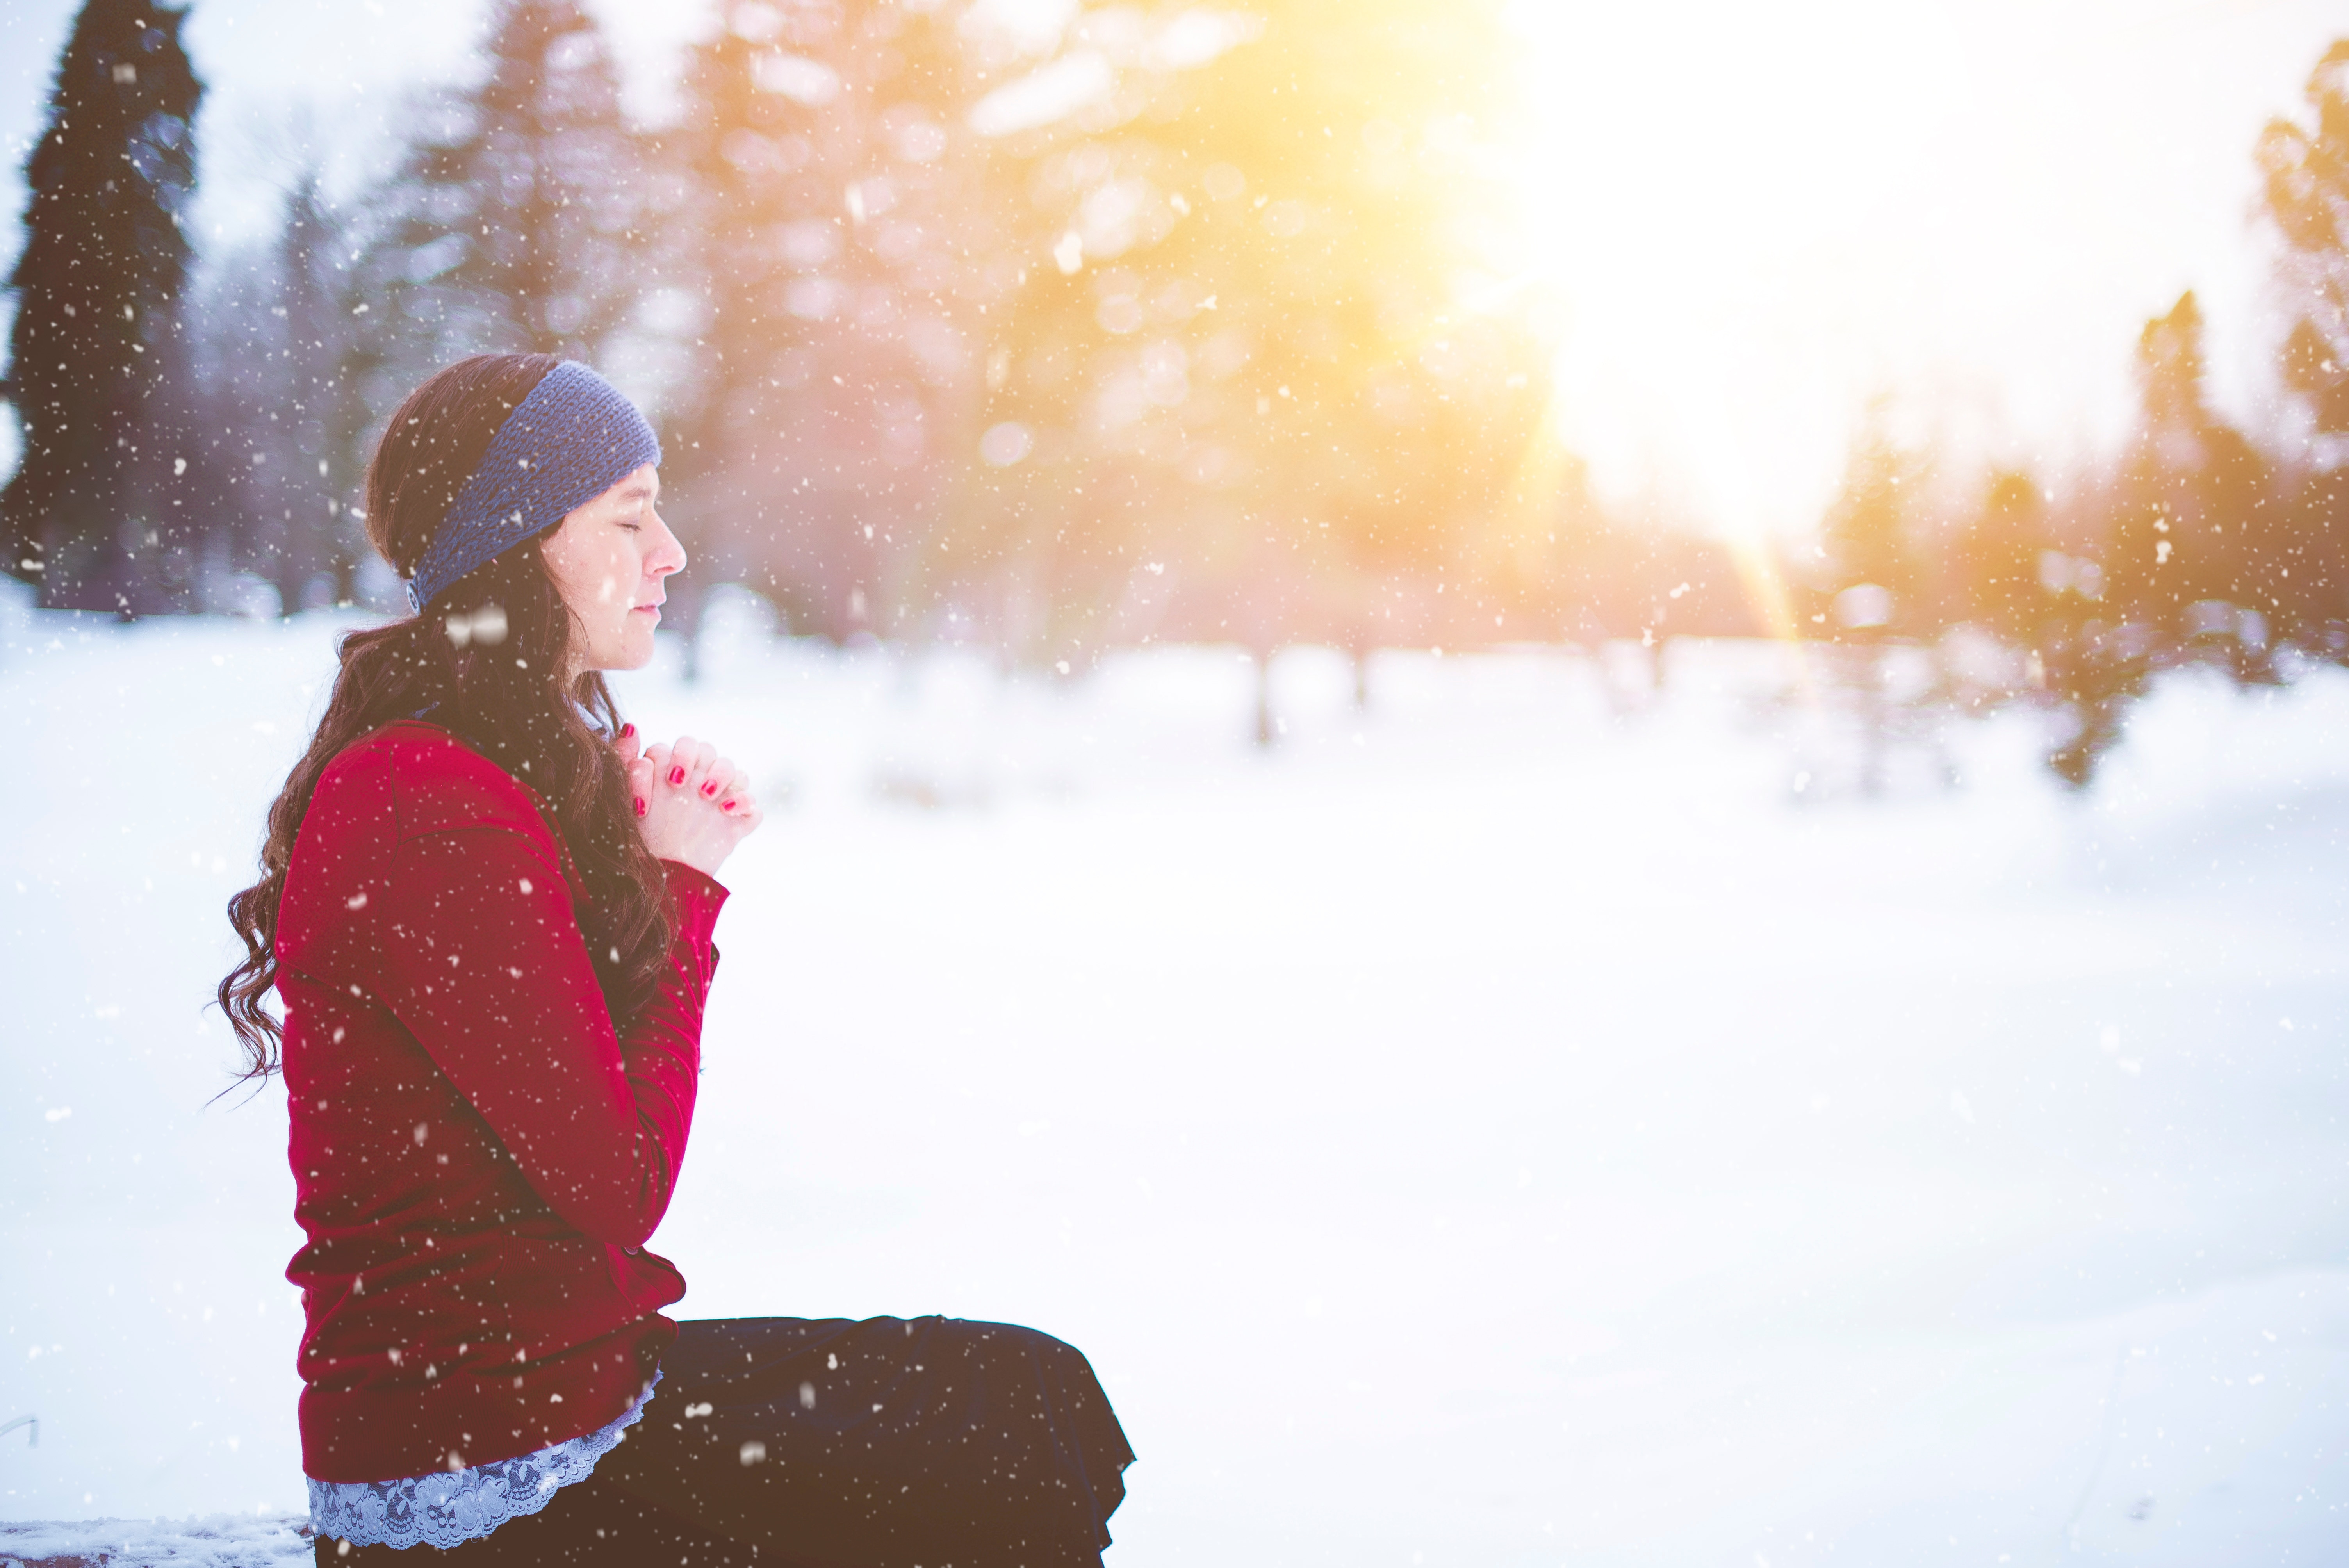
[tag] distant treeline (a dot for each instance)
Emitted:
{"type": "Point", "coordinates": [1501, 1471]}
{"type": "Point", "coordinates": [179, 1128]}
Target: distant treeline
{"type": "Point", "coordinates": [1151, 329]}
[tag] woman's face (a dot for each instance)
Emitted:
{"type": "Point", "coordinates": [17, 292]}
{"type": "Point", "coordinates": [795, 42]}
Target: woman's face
{"type": "Point", "coordinates": [607, 559]}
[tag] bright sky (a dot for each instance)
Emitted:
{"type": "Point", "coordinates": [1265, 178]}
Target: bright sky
{"type": "Point", "coordinates": [1758, 214]}
{"type": "Point", "coordinates": [1762, 214]}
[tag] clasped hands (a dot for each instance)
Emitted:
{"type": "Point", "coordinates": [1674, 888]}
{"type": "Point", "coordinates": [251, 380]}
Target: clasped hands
{"type": "Point", "coordinates": [692, 805]}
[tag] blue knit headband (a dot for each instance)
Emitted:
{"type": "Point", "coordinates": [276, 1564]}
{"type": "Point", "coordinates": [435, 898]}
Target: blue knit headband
{"type": "Point", "coordinates": [573, 438]}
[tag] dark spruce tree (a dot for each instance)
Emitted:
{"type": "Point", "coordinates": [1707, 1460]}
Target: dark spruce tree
{"type": "Point", "coordinates": [95, 353]}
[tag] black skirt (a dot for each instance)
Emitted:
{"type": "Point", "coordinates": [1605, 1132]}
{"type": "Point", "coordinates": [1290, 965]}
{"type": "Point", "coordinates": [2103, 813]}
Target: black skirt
{"type": "Point", "coordinates": [786, 1442]}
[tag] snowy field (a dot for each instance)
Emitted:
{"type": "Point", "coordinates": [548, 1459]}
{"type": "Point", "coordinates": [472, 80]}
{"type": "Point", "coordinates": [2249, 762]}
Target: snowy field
{"type": "Point", "coordinates": [1508, 1125]}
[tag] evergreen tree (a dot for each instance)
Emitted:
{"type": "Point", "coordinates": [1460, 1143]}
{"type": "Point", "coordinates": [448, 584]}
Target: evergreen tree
{"type": "Point", "coordinates": [2299, 575]}
{"type": "Point", "coordinates": [1246, 396]}
{"type": "Point", "coordinates": [1871, 576]}
{"type": "Point", "coordinates": [2190, 514]}
{"type": "Point", "coordinates": [2002, 587]}
{"type": "Point", "coordinates": [96, 353]}
{"type": "Point", "coordinates": [2306, 196]}
{"type": "Point", "coordinates": [239, 460]}
{"type": "Point", "coordinates": [313, 276]}
{"type": "Point", "coordinates": [2095, 671]}
{"type": "Point", "coordinates": [512, 224]}
{"type": "Point", "coordinates": [738, 158]}
{"type": "Point", "coordinates": [2192, 488]}
{"type": "Point", "coordinates": [282, 420]}
{"type": "Point", "coordinates": [2300, 552]}
{"type": "Point", "coordinates": [1867, 585]}
{"type": "Point", "coordinates": [838, 239]}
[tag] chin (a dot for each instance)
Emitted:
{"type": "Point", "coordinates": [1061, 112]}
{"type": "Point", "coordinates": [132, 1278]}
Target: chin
{"type": "Point", "coordinates": [636, 652]}
{"type": "Point", "coordinates": [633, 654]}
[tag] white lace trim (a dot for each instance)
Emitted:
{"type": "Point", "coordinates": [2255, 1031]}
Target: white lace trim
{"type": "Point", "coordinates": [448, 1508]}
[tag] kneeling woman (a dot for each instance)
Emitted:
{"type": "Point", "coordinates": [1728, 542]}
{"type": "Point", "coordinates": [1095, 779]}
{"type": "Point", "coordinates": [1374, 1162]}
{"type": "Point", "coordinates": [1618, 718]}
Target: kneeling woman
{"type": "Point", "coordinates": [487, 910]}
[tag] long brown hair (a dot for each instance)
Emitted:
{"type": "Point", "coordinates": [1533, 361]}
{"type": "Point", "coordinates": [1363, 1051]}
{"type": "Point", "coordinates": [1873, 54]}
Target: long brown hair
{"type": "Point", "coordinates": [503, 695]}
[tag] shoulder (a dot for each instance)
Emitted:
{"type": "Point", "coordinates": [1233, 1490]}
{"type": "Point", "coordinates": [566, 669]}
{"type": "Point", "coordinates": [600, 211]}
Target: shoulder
{"type": "Point", "coordinates": [420, 778]}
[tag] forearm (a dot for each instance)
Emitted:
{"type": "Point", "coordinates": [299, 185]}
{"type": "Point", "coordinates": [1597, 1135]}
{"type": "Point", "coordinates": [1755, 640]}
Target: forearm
{"type": "Point", "coordinates": [508, 1005]}
{"type": "Point", "coordinates": [660, 1048]}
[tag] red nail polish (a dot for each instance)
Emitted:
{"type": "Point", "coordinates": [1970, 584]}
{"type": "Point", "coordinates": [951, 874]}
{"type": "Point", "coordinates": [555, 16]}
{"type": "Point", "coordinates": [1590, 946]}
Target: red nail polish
{"type": "Point", "coordinates": [627, 731]}
{"type": "Point", "coordinates": [640, 805]}
{"type": "Point", "coordinates": [710, 787]}
{"type": "Point", "coordinates": [677, 774]}
{"type": "Point", "coordinates": [725, 804]}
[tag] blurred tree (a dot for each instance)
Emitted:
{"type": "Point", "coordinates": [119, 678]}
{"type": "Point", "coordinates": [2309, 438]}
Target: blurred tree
{"type": "Point", "coordinates": [1868, 572]}
{"type": "Point", "coordinates": [2306, 195]}
{"type": "Point", "coordinates": [2191, 518]}
{"type": "Point", "coordinates": [837, 233]}
{"type": "Point", "coordinates": [2287, 565]}
{"type": "Point", "coordinates": [313, 269]}
{"type": "Point", "coordinates": [1867, 584]}
{"type": "Point", "coordinates": [1639, 571]}
{"type": "Point", "coordinates": [2095, 670]}
{"type": "Point", "coordinates": [1250, 388]}
{"type": "Point", "coordinates": [2190, 488]}
{"type": "Point", "coordinates": [97, 363]}
{"type": "Point", "coordinates": [513, 222]}
{"type": "Point", "coordinates": [238, 459]}
{"type": "Point", "coordinates": [2200, 531]}
{"type": "Point", "coordinates": [2297, 550]}
{"type": "Point", "coordinates": [2003, 559]}
{"type": "Point", "coordinates": [2298, 574]}
{"type": "Point", "coordinates": [282, 422]}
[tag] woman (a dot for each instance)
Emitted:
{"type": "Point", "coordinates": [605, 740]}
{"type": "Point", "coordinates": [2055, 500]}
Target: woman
{"type": "Point", "coordinates": [487, 912]}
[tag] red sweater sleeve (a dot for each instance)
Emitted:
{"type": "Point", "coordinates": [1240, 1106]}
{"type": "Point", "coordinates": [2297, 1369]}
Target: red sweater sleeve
{"type": "Point", "coordinates": [485, 963]}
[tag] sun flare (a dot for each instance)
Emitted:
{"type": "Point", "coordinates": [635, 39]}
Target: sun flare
{"type": "Point", "coordinates": [1757, 218]}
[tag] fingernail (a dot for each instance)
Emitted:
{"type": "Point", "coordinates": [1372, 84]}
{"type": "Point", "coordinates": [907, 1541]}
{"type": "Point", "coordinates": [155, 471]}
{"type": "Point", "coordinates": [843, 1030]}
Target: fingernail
{"type": "Point", "coordinates": [725, 804]}
{"type": "Point", "coordinates": [710, 787]}
{"type": "Point", "coordinates": [677, 774]}
{"type": "Point", "coordinates": [640, 805]}
{"type": "Point", "coordinates": [627, 731]}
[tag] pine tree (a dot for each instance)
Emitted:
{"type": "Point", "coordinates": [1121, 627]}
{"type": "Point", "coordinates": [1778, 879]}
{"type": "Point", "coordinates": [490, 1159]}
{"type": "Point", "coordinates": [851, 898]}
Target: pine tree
{"type": "Point", "coordinates": [1869, 534]}
{"type": "Point", "coordinates": [2299, 570]}
{"type": "Point", "coordinates": [838, 240]}
{"type": "Point", "coordinates": [241, 460]}
{"type": "Point", "coordinates": [2306, 196]}
{"type": "Point", "coordinates": [315, 292]}
{"type": "Point", "coordinates": [2299, 552]}
{"type": "Point", "coordinates": [300, 414]}
{"type": "Point", "coordinates": [2177, 560]}
{"type": "Point", "coordinates": [1259, 407]}
{"type": "Point", "coordinates": [512, 224]}
{"type": "Point", "coordinates": [741, 153]}
{"type": "Point", "coordinates": [96, 353]}
{"type": "Point", "coordinates": [2191, 486]}
{"type": "Point", "coordinates": [2002, 585]}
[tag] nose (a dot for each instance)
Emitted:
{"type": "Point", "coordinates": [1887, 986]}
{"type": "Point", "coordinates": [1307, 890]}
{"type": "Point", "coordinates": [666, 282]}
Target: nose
{"type": "Point", "coordinates": [666, 555]}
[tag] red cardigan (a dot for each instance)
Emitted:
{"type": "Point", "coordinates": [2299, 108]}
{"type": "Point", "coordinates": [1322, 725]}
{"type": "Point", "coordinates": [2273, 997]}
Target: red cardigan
{"type": "Point", "coordinates": [478, 1156]}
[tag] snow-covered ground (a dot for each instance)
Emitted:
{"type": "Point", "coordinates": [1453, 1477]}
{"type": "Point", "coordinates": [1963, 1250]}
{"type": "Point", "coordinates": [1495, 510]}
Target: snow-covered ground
{"type": "Point", "coordinates": [1508, 1125]}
